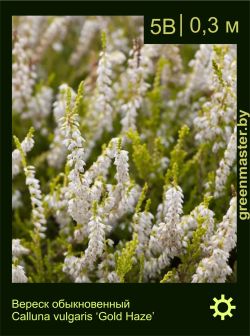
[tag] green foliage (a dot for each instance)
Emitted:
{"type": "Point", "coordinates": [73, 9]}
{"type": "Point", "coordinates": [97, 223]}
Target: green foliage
{"type": "Point", "coordinates": [124, 262]}
{"type": "Point", "coordinates": [155, 96]}
{"type": "Point", "coordinates": [141, 198]}
{"type": "Point", "coordinates": [193, 253]}
{"type": "Point", "coordinates": [177, 157]}
{"type": "Point", "coordinates": [104, 40]}
{"type": "Point", "coordinates": [218, 72]}
{"type": "Point", "coordinates": [140, 155]}
{"type": "Point", "coordinates": [169, 276]}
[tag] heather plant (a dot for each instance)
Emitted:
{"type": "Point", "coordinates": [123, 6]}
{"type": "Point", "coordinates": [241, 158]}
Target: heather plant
{"type": "Point", "coordinates": [123, 161]}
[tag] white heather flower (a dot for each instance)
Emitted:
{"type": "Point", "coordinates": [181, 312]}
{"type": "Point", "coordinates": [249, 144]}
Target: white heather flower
{"type": "Point", "coordinates": [23, 76]}
{"type": "Point", "coordinates": [78, 192]}
{"type": "Point", "coordinates": [172, 205]}
{"type": "Point", "coordinates": [16, 162]}
{"type": "Point", "coordinates": [159, 214]}
{"type": "Point", "coordinates": [17, 249]}
{"type": "Point", "coordinates": [117, 57]}
{"type": "Point", "coordinates": [38, 213]}
{"type": "Point", "coordinates": [58, 151]}
{"type": "Point", "coordinates": [39, 107]}
{"type": "Point", "coordinates": [129, 198]}
{"type": "Point", "coordinates": [218, 114]}
{"type": "Point", "coordinates": [99, 168]}
{"type": "Point", "coordinates": [18, 274]}
{"type": "Point", "coordinates": [106, 265]}
{"type": "Point", "coordinates": [75, 267]}
{"type": "Point", "coordinates": [143, 226]}
{"type": "Point", "coordinates": [83, 193]}
{"type": "Point", "coordinates": [165, 238]}
{"type": "Point", "coordinates": [149, 53]}
{"type": "Point", "coordinates": [92, 194]}
{"type": "Point", "coordinates": [120, 202]}
{"type": "Point", "coordinates": [57, 46]}
{"type": "Point", "coordinates": [105, 94]}
{"type": "Point", "coordinates": [58, 204]}
{"type": "Point", "coordinates": [215, 268]}
{"type": "Point", "coordinates": [118, 41]}
{"type": "Point", "coordinates": [102, 164]}
{"type": "Point", "coordinates": [59, 106]}
{"type": "Point", "coordinates": [74, 142]}
{"type": "Point", "coordinates": [167, 234]}
{"type": "Point", "coordinates": [30, 28]}
{"type": "Point", "coordinates": [129, 111]}
{"type": "Point", "coordinates": [16, 200]}
{"type": "Point", "coordinates": [172, 71]}
{"type": "Point", "coordinates": [55, 32]}
{"type": "Point", "coordinates": [72, 266]}
{"type": "Point", "coordinates": [135, 77]}
{"type": "Point", "coordinates": [96, 243]}
{"type": "Point", "coordinates": [83, 278]}
{"type": "Point", "coordinates": [113, 277]}
{"type": "Point", "coordinates": [122, 166]}
{"type": "Point", "coordinates": [101, 113]}
{"type": "Point", "coordinates": [89, 30]}
{"type": "Point", "coordinates": [189, 224]}
{"type": "Point", "coordinates": [225, 165]}
{"type": "Point", "coordinates": [225, 236]}
{"type": "Point", "coordinates": [27, 144]}
{"type": "Point", "coordinates": [201, 69]}
{"type": "Point", "coordinates": [153, 266]}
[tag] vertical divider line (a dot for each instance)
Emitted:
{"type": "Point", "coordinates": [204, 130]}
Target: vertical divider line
{"type": "Point", "coordinates": [180, 25]}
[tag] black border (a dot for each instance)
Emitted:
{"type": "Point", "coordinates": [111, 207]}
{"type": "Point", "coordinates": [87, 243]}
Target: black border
{"type": "Point", "coordinates": [179, 309]}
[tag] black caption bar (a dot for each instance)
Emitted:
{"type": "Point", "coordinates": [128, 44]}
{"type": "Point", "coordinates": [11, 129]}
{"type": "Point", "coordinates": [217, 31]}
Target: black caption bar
{"type": "Point", "coordinates": [193, 22]}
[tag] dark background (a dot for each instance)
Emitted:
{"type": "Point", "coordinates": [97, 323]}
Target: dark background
{"type": "Point", "coordinates": [179, 309]}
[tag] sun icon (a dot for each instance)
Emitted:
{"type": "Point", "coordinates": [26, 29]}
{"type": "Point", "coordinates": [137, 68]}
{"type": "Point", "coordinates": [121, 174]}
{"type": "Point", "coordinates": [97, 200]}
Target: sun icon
{"type": "Point", "coordinates": [224, 302]}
